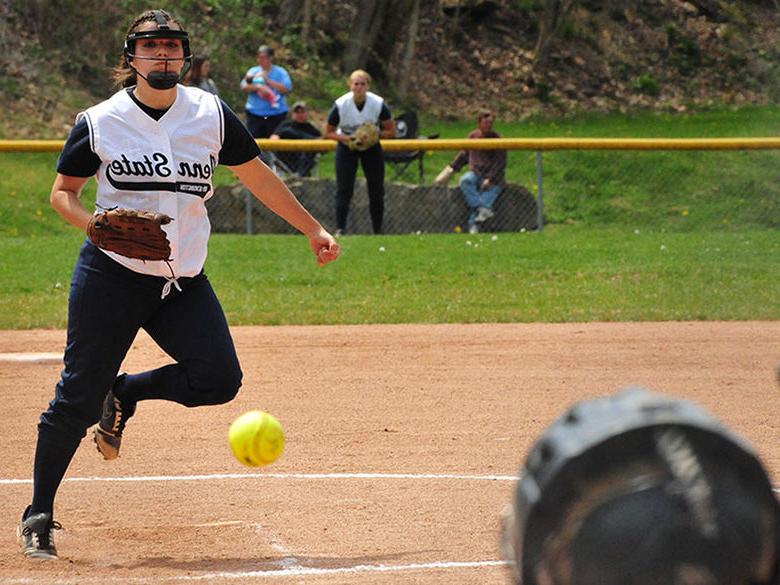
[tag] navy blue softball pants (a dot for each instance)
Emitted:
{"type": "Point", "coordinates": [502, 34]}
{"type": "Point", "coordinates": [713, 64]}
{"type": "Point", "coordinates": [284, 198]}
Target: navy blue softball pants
{"type": "Point", "coordinates": [373, 162]}
{"type": "Point", "coordinates": [108, 305]}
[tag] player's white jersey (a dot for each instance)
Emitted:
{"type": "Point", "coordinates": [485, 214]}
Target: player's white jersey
{"type": "Point", "coordinates": [349, 115]}
{"type": "Point", "coordinates": [162, 166]}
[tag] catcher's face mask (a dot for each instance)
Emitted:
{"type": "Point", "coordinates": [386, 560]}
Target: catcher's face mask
{"type": "Point", "coordinates": [168, 78]}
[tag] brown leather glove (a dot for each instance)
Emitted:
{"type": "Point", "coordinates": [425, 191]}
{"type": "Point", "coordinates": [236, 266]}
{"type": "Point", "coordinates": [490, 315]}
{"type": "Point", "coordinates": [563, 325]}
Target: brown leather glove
{"type": "Point", "coordinates": [131, 233]}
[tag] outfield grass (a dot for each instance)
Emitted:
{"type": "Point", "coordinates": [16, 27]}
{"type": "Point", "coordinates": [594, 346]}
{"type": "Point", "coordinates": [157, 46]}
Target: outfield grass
{"type": "Point", "coordinates": [564, 274]}
{"type": "Point", "coordinates": [633, 236]}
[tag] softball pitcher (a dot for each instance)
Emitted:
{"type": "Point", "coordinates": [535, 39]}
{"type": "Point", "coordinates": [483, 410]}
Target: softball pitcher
{"type": "Point", "coordinates": [152, 147]}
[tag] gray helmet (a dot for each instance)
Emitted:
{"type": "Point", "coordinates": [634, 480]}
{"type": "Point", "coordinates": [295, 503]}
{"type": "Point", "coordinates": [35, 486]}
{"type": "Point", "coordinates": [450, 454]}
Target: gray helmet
{"type": "Point", "coordinates": [640, 489]}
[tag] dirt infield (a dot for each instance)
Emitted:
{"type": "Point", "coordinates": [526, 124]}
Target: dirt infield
{"type": "Point", "coordinates": [403, 442]}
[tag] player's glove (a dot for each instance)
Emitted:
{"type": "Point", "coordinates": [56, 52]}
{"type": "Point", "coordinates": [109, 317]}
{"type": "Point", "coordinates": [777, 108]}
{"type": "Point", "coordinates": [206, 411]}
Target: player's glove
{"type": "Point", "coordinates": [366, 136]}
{"type": "Point", "coordinates": [131, 233]}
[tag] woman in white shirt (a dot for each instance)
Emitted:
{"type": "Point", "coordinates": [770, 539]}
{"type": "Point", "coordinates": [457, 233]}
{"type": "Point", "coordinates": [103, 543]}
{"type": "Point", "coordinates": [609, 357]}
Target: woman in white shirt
{"type": "Point", "coordinates": [350, 111]}
{"type": "Point", "coordinates": [153, 146]}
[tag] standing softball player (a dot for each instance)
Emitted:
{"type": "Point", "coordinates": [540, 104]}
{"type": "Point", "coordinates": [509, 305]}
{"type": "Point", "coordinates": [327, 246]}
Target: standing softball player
{"type": "Point", "coordinates": [353, 109]}
{"type": "Point", "coordinates": [152, 147]}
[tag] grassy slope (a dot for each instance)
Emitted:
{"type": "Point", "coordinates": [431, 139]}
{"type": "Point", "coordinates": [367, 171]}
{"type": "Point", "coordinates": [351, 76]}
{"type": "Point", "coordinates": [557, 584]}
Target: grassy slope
{"type": "Point", "coordinates": [669, 190]}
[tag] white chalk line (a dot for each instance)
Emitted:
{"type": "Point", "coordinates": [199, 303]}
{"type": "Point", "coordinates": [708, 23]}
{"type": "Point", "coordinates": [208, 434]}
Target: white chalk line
{"type": "Point", "coordinates": [260, 476]}
{"type": "Point", "coordinates": [274, 573]}
{"type": "Point", "coordinates": [31, 357]}
{"type": "Point", "coordinates": [289, 560]}
{"type": "Point", "coordinates": [310, 476]}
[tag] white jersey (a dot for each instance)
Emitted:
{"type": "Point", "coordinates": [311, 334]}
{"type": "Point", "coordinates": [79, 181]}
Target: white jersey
{"type": "Point", "coordinates": [163, 166]}
{"type": "Point", "coordinates": [349, 115]}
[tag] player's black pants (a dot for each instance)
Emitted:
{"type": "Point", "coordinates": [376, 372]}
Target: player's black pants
{"type": "Point", "coordinates": [373, 163]}
{"type": "Point", "coordinates": [108, 305]}
{"type": "Point", "coordinates": [263, 126]}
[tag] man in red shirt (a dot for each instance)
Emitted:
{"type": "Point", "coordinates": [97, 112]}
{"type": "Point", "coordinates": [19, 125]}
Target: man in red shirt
{"type": "Point", "coordinates": [484, 180]}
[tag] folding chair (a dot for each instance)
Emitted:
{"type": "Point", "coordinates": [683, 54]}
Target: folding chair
{"type": "Point", "coordinates": [401, 161]}
{"type": "Point", "coordinates": [292, 163]}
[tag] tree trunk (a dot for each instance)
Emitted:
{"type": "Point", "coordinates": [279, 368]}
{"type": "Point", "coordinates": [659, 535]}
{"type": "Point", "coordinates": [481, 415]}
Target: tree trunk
{"type": "Point", "coordinates": [408, 57]}
{"type": "Point", "coordinates": [368, 21]}
{"type": "Point", "coordinates": [306, 26]}
{"type": "Point", "coordinates": [554, 14]}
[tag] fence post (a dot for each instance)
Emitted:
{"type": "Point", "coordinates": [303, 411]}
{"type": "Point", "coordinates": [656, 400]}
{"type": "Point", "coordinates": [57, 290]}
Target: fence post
{"type": "Point", "coordinates": [248, 210]}
{"type": "Point", "coordinates": [539, 204]}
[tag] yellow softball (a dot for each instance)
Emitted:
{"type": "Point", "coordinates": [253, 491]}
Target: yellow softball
{"type": "Point", "coordinates": [256, 438]}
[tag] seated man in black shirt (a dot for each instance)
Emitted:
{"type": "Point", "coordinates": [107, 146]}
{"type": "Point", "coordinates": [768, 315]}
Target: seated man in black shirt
{"type": "Point", "coordinates": [297, 128]}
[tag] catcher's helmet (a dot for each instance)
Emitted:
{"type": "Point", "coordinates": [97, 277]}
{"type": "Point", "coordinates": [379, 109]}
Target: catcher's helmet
{"type": "Point", "coordinates": [642, 489]}
{"type": "Point", "coordinates": [161, 79]}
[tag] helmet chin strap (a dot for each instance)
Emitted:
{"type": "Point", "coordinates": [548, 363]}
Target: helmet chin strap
{"type": "Point", "coordinates": [162, 79]}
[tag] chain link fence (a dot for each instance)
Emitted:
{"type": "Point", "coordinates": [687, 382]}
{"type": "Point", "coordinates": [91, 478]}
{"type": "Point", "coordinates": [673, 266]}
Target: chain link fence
{"type": "Point", "coordinates": [413, 203]}
{"type": "Point", "coordinates": [649, 186]}
{"type": "Point", "coordinates": [665, 184]}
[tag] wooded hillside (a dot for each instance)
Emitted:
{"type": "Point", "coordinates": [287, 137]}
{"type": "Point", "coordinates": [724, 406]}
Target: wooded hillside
{"type": "Point", "coordinates": [443, 57]}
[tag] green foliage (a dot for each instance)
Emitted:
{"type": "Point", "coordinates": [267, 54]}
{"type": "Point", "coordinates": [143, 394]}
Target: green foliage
{"type": "Point", "coordinates": [570, 31]}
{"type": "Point", "coordinates": [87, 38]}
{"type": "Point", "coordinates": [647, 84]}
{"type": "Point", "coordinates": [733, 13]}
{"type": "Point", "coordinates": [685, 52]}
{"type": "Point", "coordinates": [528, 7]}
{"type": "Point", "coordinates": [736, 61]}
{"type": "Point", "coordinates": [10, 87]}
{"type": "Point", "coordinates": [543, 92]}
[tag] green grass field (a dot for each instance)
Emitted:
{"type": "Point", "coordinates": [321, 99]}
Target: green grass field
{"type": "Point", "coordinates": [632, 236]}
{"type": "Point", "coordinates": [561, 274]}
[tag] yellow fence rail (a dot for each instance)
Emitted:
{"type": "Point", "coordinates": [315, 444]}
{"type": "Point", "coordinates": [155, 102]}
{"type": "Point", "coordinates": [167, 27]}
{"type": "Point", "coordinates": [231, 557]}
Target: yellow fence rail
{"type": "Point", "coordinates": [539, 144]}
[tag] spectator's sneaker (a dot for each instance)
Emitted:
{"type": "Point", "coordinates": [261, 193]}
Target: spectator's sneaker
{"type": "Point", "coordinates": [338, 234]}
{"type": "Point", "coordinates": [36, 536]}
{"type": "Point", "coordinates": [473, 229]}
{"type": "Point", "coordinates": [108, 432]}
{"type": "Point", "coordinates": [483, 214]}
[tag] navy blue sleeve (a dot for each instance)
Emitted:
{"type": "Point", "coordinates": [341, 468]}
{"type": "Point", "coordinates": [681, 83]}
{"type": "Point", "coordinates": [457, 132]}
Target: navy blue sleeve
{"type": "Point", "coordinates": [77, 158]}
{"type": "Point", "coordinates": [239, 146]}
{"type": "Point", "coordinates": [333, 117]}
{"type": "Point", "coordinates": [385, 113]}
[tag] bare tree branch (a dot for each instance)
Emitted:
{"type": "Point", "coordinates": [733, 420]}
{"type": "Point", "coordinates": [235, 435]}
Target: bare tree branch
{"type": "Point", "coordinates": [368, 21]}
{"type": "Point", "coordinates": [554, 14]}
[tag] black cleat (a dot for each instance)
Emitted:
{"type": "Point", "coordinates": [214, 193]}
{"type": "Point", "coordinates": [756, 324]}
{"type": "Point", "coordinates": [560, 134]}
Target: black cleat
{"type": "Point", "coordinates": [108, 432]}
{"type": "Point", "coordinates": [36, 536]}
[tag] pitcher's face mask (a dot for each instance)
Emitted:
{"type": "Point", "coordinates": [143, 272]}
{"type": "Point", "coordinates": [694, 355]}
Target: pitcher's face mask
{"type": "Point", "coordinates": [169, 77]}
